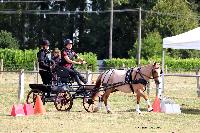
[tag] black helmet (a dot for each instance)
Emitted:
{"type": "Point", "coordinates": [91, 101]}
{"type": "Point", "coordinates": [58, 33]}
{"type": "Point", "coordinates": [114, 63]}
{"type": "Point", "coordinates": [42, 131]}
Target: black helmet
{"type": "Point", "coordinates": [44, 42]}
{"type": "Point", "coordinates": [67, 41]}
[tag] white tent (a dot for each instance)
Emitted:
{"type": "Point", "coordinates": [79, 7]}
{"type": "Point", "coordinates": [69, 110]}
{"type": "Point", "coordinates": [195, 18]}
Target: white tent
{"type": "Point", "coordinates": [187, 40]}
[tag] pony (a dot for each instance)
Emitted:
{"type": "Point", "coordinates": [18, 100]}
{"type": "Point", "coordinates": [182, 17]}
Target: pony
{"type": "Point", "coordinates": [133, 80]}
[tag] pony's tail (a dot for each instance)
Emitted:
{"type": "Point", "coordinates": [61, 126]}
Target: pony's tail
{"type": "Point", "coordinates": [98, 83]}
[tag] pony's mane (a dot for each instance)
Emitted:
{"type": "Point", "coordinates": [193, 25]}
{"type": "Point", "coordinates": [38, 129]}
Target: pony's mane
{"type": "Point", "coordinates": [151, 64]}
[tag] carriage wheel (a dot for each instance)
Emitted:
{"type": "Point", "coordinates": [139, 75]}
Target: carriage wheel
{"type": "Point", "coordinates": [63, 101]}
{"type": "Point", "coordinates": [91, 105]}
{"type": "Point", "coordinates": [31, 97]}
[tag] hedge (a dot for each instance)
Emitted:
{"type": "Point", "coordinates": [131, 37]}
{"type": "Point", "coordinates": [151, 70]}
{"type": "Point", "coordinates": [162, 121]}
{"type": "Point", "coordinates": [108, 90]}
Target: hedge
{"type": "Point", "coordinates": [24, 59]}
{"type": "Point", "coordinates": [91, 60]}
{"type": "Point", "coordinates": [121, 63]}
{"type": "Point", "coordinates": [172, 64]}
{"type": "Point", "coordinates": [18, 59]}
{"type": "Point", "coordinates": [15, 59]}
{"type": "Point", "coordinates": [182, 64]}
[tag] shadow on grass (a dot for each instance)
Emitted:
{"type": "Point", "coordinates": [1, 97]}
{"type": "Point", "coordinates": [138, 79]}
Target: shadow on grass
{"type": "Point", "coordinates": [133, 110]}
{"type": "Point", "coordinates": [183, 110]}
{"type": "Point", "coordinates": [190, 111]}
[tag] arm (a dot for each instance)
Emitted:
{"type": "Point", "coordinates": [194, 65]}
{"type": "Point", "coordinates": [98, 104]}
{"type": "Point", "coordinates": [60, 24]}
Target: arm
{"type": "Point", "coordinates": [80, 59]}
{"type": "Point", "coordinates": [41, 59]}
{"type": "Point", "coordinates": [71, 61]}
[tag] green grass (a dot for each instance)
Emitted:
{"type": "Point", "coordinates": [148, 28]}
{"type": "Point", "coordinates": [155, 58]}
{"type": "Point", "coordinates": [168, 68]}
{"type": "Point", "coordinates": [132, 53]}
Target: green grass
{"type": "Point", "coordinates": [123, 119]}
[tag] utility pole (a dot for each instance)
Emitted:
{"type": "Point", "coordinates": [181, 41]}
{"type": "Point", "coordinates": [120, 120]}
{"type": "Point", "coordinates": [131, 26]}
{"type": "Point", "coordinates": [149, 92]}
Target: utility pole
{"type": "Point", "coordinates": [111, 30]}
{"type": "Point", "coordinates": [139, 38]}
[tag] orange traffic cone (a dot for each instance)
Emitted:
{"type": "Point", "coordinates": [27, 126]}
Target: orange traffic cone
{"type": "Point", "coordinates": [39, 108]}
{"type": "Point", "coordinates": [156, 105]}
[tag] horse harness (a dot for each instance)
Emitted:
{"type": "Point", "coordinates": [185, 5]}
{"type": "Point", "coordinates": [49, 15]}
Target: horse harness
{"type": "Point", "coordinates": [128, 79]}
{"type": "Point", "coordinates": [108, 86]}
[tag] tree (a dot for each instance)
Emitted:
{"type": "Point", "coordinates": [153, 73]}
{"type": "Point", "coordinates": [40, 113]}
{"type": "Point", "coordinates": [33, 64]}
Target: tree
{"type": "Point", "coordinates": [7, 41]}
{"type": "Point", "coordinates": [195, 5]}
{"type": "Point", "coordinates": [171, 17]}
{"type": "Point", "coordinates": [151, 46]}
{"type": "Point", "coordinates": [124, 28]}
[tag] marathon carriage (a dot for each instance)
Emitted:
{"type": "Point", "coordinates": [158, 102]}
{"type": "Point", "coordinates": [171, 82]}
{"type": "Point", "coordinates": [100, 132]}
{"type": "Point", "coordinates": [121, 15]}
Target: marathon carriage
{"type": "Point", "coordinates": [62, 92]}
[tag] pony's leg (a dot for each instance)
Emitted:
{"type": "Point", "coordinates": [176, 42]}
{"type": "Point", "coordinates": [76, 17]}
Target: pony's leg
{"type": "Point", "coordinates": [146, 99]}
{"type": "Point", "coordinates": [105, 99]}
{"type": "Point", "coordinates": [138, 104]}
{"type": "Point", "coordinates": [98, 96]}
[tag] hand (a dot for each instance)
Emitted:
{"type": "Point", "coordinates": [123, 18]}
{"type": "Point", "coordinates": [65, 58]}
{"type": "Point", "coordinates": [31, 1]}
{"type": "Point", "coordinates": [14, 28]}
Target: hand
{"type": "Point", "coordinates": [84, 62]}
{"type": "Point", "coordinates": [79, 62]}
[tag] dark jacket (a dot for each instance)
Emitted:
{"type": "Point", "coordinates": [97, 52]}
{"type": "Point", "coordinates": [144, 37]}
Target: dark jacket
{"type": "Point", "coordinates": [43, 59]}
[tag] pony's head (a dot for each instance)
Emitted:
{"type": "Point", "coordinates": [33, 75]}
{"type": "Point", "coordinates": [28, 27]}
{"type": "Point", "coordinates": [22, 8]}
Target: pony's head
{"type": "Point", "coordinates": [156, 72]}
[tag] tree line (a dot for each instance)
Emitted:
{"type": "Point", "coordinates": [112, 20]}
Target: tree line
{"type": "Point", "coordinates": [90, 31]}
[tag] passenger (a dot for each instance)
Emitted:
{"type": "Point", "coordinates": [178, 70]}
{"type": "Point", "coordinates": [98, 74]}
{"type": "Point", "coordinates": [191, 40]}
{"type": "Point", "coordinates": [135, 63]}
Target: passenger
{"type": "Point", "coordinates": [56, 57]}
{"type": "Point", "coordinates": [44, 57]}
{"type": "Point", "coordinates": [67, 61]}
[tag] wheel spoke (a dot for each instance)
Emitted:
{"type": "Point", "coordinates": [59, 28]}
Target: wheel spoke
{"type": "Point", "coordinates": [31, 97]}
{"type": "Point", "coordinates": [90, 105]}
{"type": "Point", "coordinates": [63, 101]}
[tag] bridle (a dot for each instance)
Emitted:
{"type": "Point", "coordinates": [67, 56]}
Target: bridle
{"type": "Point", "coordinates": [152, 74]}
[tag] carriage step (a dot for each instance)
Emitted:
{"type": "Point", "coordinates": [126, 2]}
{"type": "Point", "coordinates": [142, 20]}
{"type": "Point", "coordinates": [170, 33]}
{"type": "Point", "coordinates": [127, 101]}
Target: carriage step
{"type": "Point", "coordinates": [50, 99]}
{"type": "Point", "coordinates": [74, 96]}
{"type": "Point", "coordinates": [81, 95]}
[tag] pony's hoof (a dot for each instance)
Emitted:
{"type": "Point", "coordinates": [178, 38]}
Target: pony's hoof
{"type": "Point", "coordinates": [96, 109]}
{"type": "Point", "coordinates": [150, 109]}
{"type": "Point", "coordinates": [138, 111]}
{"type": "Point", "coordinates": [109, 112]}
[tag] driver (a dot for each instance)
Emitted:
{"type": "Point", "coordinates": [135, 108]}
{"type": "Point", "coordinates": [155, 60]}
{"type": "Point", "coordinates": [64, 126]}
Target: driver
{"type": "Point", "coordinates": [67, 61]}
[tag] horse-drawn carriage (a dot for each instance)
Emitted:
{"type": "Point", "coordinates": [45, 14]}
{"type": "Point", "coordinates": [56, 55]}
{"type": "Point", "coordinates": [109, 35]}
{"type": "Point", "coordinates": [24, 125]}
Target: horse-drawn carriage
{"type": "Point", "coordinates": [62, 91]}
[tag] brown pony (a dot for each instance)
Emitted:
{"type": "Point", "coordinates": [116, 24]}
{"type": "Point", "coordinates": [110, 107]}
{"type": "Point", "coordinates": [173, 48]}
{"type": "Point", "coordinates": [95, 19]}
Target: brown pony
{"type": "Point", "coordinates": [131, 81]}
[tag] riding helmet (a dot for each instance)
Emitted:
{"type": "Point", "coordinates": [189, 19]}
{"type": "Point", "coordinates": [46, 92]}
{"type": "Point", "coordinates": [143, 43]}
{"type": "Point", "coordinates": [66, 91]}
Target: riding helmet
{"type": "Point", "coordinates": [67, 41]}
{"type": "Point", "coordinates": [44, 42]}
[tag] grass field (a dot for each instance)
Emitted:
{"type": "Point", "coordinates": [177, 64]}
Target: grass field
{"type": "Point", "coordinates": [124, 119]}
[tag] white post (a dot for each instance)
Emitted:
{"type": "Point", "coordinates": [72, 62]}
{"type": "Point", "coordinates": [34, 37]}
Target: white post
{"type": "Point", "coordinates": [89, 78]}
{"type": "Point", "coordinates": [87, 75]}
{"type": "Point", "coordinates": [163, 68]}
{"type": "Point", "coordinates": [139, 38]}
{"type": "Point", "coordinates": [21, 86]}
{"type": "Point", "coordinates": [37, 72]}
{"type": "Point", "coordinates": [111, 30]}
{"type": "Point", "coordinates": [198, 88]}
{"type": "Point", "coordinates": [1, 67]}
{"type": "Point", "coordinates": [34, 66]}
{"type": "Point", "coordinates": [148, 89]}
{"type": "Point", "coordinates": [159, 88]}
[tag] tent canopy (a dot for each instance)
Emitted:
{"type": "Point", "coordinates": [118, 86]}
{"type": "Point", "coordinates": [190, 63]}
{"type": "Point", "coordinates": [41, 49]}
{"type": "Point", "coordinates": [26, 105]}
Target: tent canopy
{"type": "Point", "coordinates": [187, 40]}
